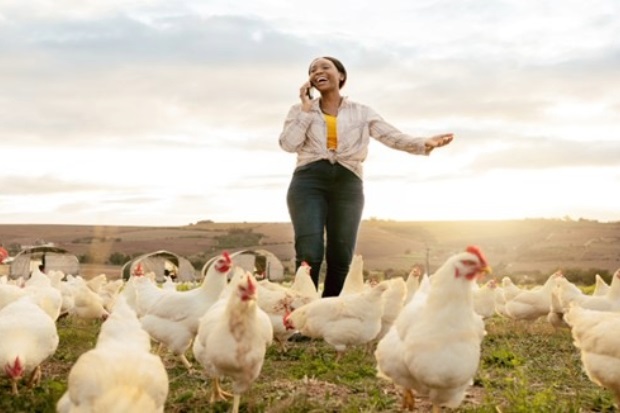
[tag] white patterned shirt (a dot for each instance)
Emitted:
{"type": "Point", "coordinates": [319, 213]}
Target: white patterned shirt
{"type": "Point", "coordinates": [306, 134]}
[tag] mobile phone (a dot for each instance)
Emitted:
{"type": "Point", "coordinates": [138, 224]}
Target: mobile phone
{"type": "Point", "coordinates": [309, 92]}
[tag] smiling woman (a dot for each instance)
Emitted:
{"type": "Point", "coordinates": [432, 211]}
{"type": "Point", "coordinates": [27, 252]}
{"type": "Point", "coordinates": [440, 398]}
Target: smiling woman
{"type": "Point", "coordinates": [325, 198]}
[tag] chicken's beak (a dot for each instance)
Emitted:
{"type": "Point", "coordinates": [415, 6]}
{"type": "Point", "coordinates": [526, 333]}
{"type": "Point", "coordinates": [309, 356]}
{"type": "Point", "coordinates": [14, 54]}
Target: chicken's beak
{"type": "Point", "coordinates": [486, 270]}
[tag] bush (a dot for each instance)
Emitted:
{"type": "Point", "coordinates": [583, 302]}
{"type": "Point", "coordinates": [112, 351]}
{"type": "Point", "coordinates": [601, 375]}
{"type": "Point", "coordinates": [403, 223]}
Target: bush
{"type": "Point", "coordinates": [118, 258]}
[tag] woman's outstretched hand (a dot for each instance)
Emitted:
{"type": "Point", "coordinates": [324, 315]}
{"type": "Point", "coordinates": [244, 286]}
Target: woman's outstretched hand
{"type": "Point", "coordinates": [438, 141]}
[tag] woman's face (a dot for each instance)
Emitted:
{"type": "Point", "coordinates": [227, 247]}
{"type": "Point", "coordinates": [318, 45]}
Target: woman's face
{"type": "Point", "coordinates": [324, 76]}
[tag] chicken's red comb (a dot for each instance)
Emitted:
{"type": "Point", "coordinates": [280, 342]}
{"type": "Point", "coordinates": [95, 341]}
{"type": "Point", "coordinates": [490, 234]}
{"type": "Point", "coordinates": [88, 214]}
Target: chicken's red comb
{"type": "Point", "coordinates": [138, 271]}
{"type": "Point", "coordinates": [223, 264]}
{"type": "Point", "coordinates": [474, 249]}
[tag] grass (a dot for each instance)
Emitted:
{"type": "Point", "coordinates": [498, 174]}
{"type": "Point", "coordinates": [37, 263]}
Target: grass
{"type": "Point", "coordinates": [523, 368]}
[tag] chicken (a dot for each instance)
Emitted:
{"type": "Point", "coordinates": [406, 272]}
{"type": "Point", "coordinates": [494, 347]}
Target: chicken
{"type": "Point", "coordinates": [600, 286]}
{"type": "Point", "coordinates": [532, 304]}
{"type": "Point", "coordinates": [146, 293]}
{"type": "Point", "coordinates": [29, 337]}
{"type": "Point", "coordinates": [433, 347]}
{"type": "Point", "coordinates": [47, 297]}
{"type": "Point", "coordinates": [87, 305]}
{"type": "Point", "coordinates": [64, 284]}
{"type": "Point", "coordinates": [341, 321]}
{"type": "Point", "coordinates": [595, 334]}
{"type": "Point", "coordinates": [610, 301]}
{"type": "Point", "coordinates": [10, 293]}
{"type": "Point", "coordinates": [413, 282]}
{"type": "Point", "coordinates": [168, 284]}
{"type": "Point", "coordinates": [173, 318]}
{"type": "Point", "coordinates": [109, 293]}
{"type": "Point", "coordinates": [303, 287]}
{"type": "Point", "coordinates": [120, 374]}
{"type": "Point", "coordinates": [233, 337]}
{"type": "Point", "coordinates": [278, 301]}
{"type": "Point", "coordinates": [509, 289]}
{"type": "Point", "coordinates": [354, 281]}
{"type": "Point", "coordinates": [555, 317]}
{"type": "Point", "coordinates": [484, 299]}
{"type": "Point", "coordinates": [393, 301]}
{"type": "Point", "coordinates": [97, 282]}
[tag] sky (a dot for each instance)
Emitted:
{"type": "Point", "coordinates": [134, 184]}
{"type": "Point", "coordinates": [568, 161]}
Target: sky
{"type": "Point", "coordinates": [166, 113]}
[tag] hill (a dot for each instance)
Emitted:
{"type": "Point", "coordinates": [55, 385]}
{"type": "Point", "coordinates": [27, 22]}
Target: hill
{"type": "Point", "coordinates": [532, 246]}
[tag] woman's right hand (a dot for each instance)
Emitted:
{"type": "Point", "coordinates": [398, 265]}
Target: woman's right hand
{"type": "Point", "coordinates": [304, 96]}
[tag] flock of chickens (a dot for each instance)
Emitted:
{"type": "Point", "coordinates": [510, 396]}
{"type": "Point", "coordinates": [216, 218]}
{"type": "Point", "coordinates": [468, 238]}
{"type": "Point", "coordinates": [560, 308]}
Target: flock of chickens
{"type": "Point", "coordinates": [426, 331]}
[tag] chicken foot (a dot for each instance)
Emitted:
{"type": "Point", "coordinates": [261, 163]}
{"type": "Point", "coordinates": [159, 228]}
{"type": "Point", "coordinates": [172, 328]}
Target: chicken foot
{"type": "Point", "coordinates": [408, 400]}
{"type": "Point", "coordinates": [217, 393]}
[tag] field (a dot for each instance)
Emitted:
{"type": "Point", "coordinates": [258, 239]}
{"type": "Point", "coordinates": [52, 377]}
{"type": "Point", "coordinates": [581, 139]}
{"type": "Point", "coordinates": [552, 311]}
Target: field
{"type": "Point", "coordinates": [535, 246]}
{"type": "Point", "coordinates": [524, 368]}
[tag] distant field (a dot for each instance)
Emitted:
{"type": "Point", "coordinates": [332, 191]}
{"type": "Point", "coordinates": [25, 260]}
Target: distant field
{"type": "Point", "coordinates": [91, 270]}
{"type": "Point", "coordinates": [512, 247]}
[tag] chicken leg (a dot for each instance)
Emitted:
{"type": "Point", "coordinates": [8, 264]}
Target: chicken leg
{"type": "Point", "coordinates": [35, 377]}
{"type": "Point", "coordinates": [217, 393]}
{"type": "Point", "coordinates": [236, 402]}
{"type": "Point", "coordinates": [185, 361]}
{"type": "Point", "coordinates": [14, 386]}
{"type": "Point", "coordinates": [408, 400]}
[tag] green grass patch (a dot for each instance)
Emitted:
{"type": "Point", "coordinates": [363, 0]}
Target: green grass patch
{"type": "Point", "coordinates": [524, 368]}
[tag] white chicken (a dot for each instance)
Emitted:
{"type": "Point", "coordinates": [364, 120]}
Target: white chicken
{"type": "Point", "coordinates": [173, 318]}
{"type": "Point", "coordinates": [484, 298]}
{"type": "Point", "coordinates": [109, 293]}
{"type": "Point", "coordinates": [555, 317]}
{"type": "Point", "coordinates": [393, 302]}
{"type": "Point", "coordinates": [354, 281]}
{"type": "Point", "coordinates": [47, 297]}
{"type": "Point", "coordinates": [64, 284]}
{"type": "Point", "coordinates": [595, 334]}
{"type": "Point", "coordinates": [509, 289]}
{"type": "Point", "coordinates": [610, 301]}
{"type": "Point", "coordinates": [29, 337]}
{"type": "Point", "coordinates": [413, 282]}
{"type": "Point", "coordinates": [10, 293]}
{"type": "Point", "coordinates": [342, 321]}
{"type": "Point", "coordinates": [600, 286]}
{"type": "Point", "coordinates": [87, 305]}
{"type": "Point", "coordinates": [278, 301]}
{"type": "Point", "coordinates": [97, 282]}
{"type": "Point", "coordinates": [434, 347]}
{"type": "Point", "coordinates": [146, 293]}
{"type": "Point", "coordinates": [233, 337]}
{"type": "Point", "coordinates": [120, 374]}
{"type": "Point", "coordinates": [168, 284]}
{"type": "Point", "coordinates": [532, 304]}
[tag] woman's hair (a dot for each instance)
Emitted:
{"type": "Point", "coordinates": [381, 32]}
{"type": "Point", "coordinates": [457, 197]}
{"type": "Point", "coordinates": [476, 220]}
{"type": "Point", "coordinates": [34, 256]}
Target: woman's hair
{"type": "Point", "coordinates": [339, 67]}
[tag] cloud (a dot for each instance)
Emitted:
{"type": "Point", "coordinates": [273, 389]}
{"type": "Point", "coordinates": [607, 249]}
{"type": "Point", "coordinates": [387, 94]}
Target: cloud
{"type": "Point", "coordinates": [147, 103]}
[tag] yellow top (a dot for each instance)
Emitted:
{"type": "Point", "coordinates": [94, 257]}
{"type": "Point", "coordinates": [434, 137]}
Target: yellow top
{"type": "Point", "coordinates": [332, 131]}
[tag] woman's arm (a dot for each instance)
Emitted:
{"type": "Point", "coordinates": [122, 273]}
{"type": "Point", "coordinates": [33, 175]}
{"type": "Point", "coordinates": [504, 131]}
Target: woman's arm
{"type": "Point", "coordinates": [394, 138]}
{"type": "Point", "coordinates": [295, 126]}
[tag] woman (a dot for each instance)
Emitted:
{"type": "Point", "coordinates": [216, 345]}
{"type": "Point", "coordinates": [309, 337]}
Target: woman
{"type": "Point", "coordinates": [326, 196]}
